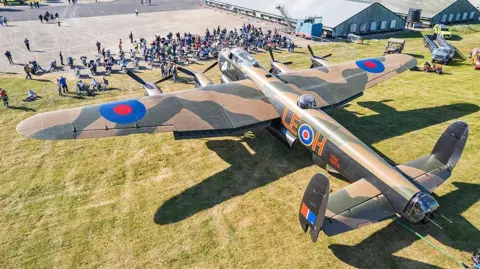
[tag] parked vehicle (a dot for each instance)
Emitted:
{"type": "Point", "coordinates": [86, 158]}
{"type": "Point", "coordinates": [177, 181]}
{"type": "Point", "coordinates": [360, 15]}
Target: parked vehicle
{"type": "Point", "coordinates": [394, 46]}
{"type": "Point", "coordinates": [442, 31]}
{"type": "Point", "coordinates": [442, 51]}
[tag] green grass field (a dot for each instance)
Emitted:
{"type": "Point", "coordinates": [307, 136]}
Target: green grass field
{"type": "Point", "coordinates": [148, 201]}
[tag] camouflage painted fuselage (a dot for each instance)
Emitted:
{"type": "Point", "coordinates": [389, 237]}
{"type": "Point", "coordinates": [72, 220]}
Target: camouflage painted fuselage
{"type": "Point", "coordinates": [331, 142]}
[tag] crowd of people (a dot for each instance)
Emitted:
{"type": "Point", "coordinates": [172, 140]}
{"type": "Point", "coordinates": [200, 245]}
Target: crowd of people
{"type": "Point", "coordinates": [49, 18]}
{"type": "Point", "coordinates": [168, 51]}
{"type": "Point", "coordinates": [164, 52]}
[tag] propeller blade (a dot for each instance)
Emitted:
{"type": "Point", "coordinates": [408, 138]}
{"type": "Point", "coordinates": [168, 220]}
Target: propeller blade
{"type": "Point", "coordinates": [164, 79]}
{"type": "Point", "coordinates": [271, 55]}
{"type": "Point", "coordinates": [210, 67]}
{"type": "Point", "coordinates": [186, 71]}
{"type": "Point", "coordinates": [287, 63]}
{"type": "Point", "coordinates": [135, 77]}
{"type": "Point", "coordinates": [310, 50]}
{"type": "Point", "coordinates": [326, 56]}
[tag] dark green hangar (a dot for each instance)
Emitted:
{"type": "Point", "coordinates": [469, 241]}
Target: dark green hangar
{"type": "Point", "coordinates": [339, 17]}
{"type": "Point", "coordinates": [438, 11]}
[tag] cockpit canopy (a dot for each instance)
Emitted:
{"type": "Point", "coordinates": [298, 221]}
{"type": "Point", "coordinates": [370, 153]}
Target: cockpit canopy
{"type": "Point", "coordinates": [242, 57]}
{"type": "Point", "coordinates": [306, 101]}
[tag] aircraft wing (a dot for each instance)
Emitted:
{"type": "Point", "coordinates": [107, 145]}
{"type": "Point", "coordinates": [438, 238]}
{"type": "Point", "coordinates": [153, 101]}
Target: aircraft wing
{"type": "Point", "coordinates": [335, 85]}
{"type": "Point", "coordinates": [215, 110]}
{"type": "Point", "coordinates": [355, 206]}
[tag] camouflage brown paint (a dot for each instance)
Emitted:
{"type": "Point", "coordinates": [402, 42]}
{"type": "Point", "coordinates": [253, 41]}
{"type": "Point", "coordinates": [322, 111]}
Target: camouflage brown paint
{"type": "Point", "coordinates": [251, 102]}
{"type": "Point", "coordinates": [339, 82]}
{"type": "Point", "coordinates": [223, 106]}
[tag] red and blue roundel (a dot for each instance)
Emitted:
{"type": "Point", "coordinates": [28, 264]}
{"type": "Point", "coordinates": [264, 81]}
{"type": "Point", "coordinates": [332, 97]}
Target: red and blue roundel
{"type": "Point", "coordinates": [123, 112]}
{"type": "Point", "coordinates": [305, 133]}
{"type": "Point", "coordinates": [371, 65]}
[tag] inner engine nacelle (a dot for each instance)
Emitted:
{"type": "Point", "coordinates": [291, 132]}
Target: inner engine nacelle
{"type": "Point", "coordinates": [282, 134]}
{"type": "Point", "coordinates": [278, 68]}
{"type": "Point", "coordinates": [150, 89]}
{"type": "Point", "coordinates": [202, 81]}
{"type": "Point", "coordinates": [225, 79]}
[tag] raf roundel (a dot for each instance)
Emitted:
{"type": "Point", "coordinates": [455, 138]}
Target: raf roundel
{"type": "Point", "coordinates": [305, 133]}
{"type": "Point", "coordinates": [371, 65]}
{"type": "Point", "coordinates": [123, 112]}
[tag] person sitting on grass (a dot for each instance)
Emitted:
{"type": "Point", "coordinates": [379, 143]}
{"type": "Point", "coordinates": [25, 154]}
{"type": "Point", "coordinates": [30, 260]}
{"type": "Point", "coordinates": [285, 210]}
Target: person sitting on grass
{"type": "Point", "coordinates": [32, 96]}
{"type": "Point", "coordinates": [80, 86]}
{"type": "Point", "coordinates": [95, 85]}
{"type": "Point", "coordinates": [4, 96]}
{"type": "Point", "coordinates": [427, 67]}
{"type": "Point", "coordinates": [83, 87]}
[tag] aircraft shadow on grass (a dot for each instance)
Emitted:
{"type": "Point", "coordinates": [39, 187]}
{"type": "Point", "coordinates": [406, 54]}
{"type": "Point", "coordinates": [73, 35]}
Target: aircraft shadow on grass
{"type": "Point", "coordinates": [240, 178]}
{"type": "Point", "coordinates": [461, 235]}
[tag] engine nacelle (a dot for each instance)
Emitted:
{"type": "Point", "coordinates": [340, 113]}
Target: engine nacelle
{"type": "Point", "coordinates": [201, 80]}
{"type": "Point", "coordinates": [225, 79]}
{"type": "Point", "coordinates": [278, 68]}
{"type": "Point", "coordinates": [150, 89]}
{"type": "Point", "coordinates": [282, 134]}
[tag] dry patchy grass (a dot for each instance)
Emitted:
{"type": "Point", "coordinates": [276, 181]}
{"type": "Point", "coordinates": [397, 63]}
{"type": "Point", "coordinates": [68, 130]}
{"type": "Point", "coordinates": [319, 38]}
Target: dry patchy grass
{"type": "Point", "coordinates": [150, 201]}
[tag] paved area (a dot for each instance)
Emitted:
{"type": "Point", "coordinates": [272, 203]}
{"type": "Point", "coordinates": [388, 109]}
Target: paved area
{"type": "Point", "coordinates": [77, 36]}
{"type": "Point", "coordinates": [89, 8]}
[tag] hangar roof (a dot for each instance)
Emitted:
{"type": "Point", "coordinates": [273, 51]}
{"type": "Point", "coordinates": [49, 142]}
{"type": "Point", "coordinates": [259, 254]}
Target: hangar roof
{"type": "Point", "coordinates": [475, 3]}
{"type": "Point", "coordinates": [429, 8]}
{"type": "Point", "coordinates": [334, 12]}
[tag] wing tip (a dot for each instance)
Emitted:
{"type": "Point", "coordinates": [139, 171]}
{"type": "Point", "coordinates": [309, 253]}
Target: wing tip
{"type": "Point", "coordinates": [32, 127]}
{"type": "Point", "coordinates": [24, 129]}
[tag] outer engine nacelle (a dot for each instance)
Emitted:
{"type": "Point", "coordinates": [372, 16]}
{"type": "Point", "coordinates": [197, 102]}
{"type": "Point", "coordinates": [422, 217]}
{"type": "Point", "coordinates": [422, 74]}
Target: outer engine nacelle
{"type": "Point", "coordinates": [282, 134]}
{"type": "Point", "coordinates": [150, 89]}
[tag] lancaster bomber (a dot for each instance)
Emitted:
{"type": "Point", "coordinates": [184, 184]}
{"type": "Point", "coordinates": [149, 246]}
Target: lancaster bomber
{"type": "Point", "coordinates": [293, 106]}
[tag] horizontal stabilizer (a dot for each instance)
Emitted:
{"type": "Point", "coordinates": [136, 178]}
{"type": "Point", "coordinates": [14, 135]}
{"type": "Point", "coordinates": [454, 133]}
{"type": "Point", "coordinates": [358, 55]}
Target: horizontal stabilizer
{"type": "Point", "coordinates": [357, 205]}
{"type": "Point", "coordinates": [431, 171]}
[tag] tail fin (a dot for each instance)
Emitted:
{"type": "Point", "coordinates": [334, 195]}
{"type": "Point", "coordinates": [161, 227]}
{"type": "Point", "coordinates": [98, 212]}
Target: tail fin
{"type": "Point", "coordinates": [432, 170]}
{"type": "Point", "coordinates": [314, 205]}
{"type": "Point", "coordinates": [450, 145]}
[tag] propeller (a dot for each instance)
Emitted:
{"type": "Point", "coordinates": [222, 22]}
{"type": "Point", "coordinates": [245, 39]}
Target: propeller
{"type": "Point", "coordinates": [135, 77]}
{"type": "Point", "coordinates": [275, 61]}
{"type": "Point", "coordinates": [163, 79]}
{"type": "Point", "coordinates": [141, 81]}
{"type": "Point", "coordinates": [317, 57]}
{"type": "Point", "coordinates": [317, 60]}
{"type": "Point", "coordinates": [186, 71]}
{"type": "Point", "coordinates": [210, 67]}
{"type": "Point", "coordinates": [193, 73]}
{"type": "Point", "coordinates": [200, 78]}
